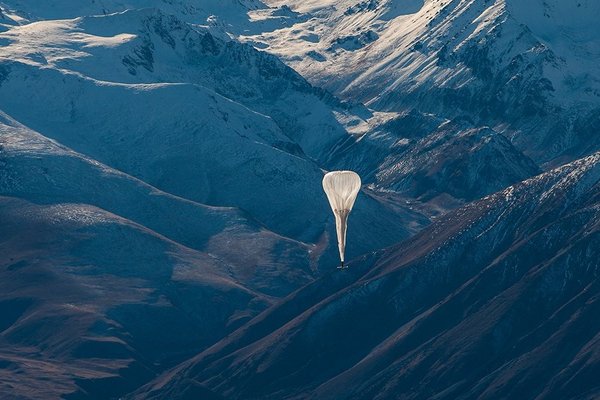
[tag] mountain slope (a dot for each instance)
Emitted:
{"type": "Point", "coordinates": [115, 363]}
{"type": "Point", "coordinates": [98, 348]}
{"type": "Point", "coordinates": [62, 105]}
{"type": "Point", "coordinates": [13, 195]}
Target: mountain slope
{"type": "Point", "coordinates": [195, 10]}
{"type": "Point", "coordinates": [434, 160]}
{"type": "Point", "coordinates": [96, 95]}
{"type": "Point", "coordinates": [107, 177]}
{"type": "Point", "coordinates": [149, 46]}
{"type": "Point", "coordinates": [160, 199]}
{"type": "Point", "coordinates": [473, 306]}
{"type": "Point", "coordinates": [96, 304]}
{"type": "Point", "coordinates": [40, 170]}
{"type": "Point", "coordinates": [529, 69]}
{"type": "Point", "coordinates": [108, 301]}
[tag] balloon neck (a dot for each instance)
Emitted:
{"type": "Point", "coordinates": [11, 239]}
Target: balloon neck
{"type": "Point", "coordinates": [342, 213]}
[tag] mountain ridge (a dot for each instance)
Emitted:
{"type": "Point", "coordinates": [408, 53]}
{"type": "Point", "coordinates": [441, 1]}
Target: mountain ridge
{"type": "Point", "coordinates": [165, 234]}
{"type": "Point", "coordinates": [392, 300]}
{"type": "Point", "coordinates": [460, 57]}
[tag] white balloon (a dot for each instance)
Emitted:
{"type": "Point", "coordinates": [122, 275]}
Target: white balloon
{"type": "Point", "coordinates": [341, 188]}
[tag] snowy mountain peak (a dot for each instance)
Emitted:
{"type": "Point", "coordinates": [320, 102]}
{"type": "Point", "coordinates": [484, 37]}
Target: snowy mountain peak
{"type": "Point", "coordinates": [501, 62]}
{"type": "Point", "coordinates": [161, 199]}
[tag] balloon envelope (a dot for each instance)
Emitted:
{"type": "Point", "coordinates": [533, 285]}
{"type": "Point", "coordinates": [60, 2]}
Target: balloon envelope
{"type": "Point", "coordinates": [341, 188]}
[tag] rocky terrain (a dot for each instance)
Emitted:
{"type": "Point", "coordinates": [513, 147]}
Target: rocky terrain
{"type": "Point", "coordinates": [164, 233]}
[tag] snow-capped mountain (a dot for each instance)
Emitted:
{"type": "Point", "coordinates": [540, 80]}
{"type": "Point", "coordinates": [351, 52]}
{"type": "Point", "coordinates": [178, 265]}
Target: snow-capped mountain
{"type": "Point", "coordinates": [190, 209]}
{"type": "Point", "coordinates": [164, 233]}
{"type": "Point", "coordinates": [145, 80]}
{"type": "Point", "coordinates": [153, 47]}
{"type": "Point", "coordinates": [528, 69]}
{"type": "Point", "coordinates": [495, 300]}
{"type": "Point", "coordinates": [195, 11]}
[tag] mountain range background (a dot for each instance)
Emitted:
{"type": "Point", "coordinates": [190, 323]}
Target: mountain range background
{"type": "Point", "coordinates": [164, 233]}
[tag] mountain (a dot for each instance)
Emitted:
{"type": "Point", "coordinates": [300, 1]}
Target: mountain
{"type": "Point", "coordinates": [93, 305]}
{"type": "Point", "coordinates": [111, 280]}
{"type": "Point", "coordinates": [144, 80]}
{"type": "Point", "coordinates": [165, 234]}
{"type": "Point", "coordinates": [160, 48]}
{"type": "Point", "coordinates": [438, 162]}
{"type": "Point", "coordinates": [527, 69]}
{"type": "Point", "coordinates": [40, 170]}
{"type": "Point", "coordinates": [495, 300]}
{"type": "Point", "coordinates": [148, 206]}
{"type": "Point", "coordinates": [192, 10]}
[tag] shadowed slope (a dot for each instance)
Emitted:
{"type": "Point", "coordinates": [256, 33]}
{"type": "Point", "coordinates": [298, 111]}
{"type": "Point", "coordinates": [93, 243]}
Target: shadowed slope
{"type": "Point", "coordinates": [471, 307]}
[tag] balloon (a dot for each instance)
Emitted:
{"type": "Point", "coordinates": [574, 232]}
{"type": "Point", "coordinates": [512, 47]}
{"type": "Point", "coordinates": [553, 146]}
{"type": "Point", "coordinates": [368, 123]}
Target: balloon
{"type": "Point", "coordinates": [341, 188]}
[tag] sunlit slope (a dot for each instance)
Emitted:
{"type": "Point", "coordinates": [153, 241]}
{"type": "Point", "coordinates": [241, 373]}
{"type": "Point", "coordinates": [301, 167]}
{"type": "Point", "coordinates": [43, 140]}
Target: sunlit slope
{"type": "Point", "coordinates": [528, 68]}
